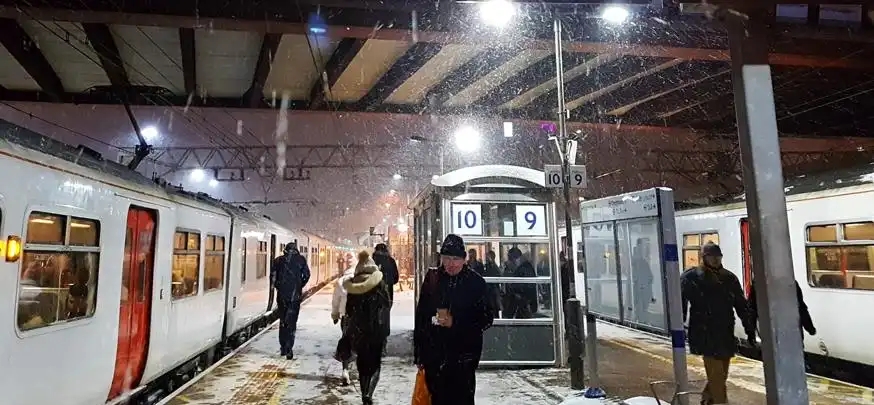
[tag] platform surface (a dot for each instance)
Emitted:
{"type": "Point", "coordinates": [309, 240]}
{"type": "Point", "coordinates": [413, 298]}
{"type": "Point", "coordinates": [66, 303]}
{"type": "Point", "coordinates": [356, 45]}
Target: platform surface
{"type": "Point", "coordinates": [629, 360]}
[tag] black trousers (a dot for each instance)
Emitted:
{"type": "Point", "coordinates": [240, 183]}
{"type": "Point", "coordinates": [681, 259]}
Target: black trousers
{"type": "Point", "coordinates": [452, 384]}
{"type": "Point", "coordinates": [369, 363]}
{"type": "Point", "coordinates": [288, 314]}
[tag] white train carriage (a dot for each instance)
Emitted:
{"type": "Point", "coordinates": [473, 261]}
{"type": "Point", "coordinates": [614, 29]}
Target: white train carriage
{"type": "Point", "coordinates": [112, 282]}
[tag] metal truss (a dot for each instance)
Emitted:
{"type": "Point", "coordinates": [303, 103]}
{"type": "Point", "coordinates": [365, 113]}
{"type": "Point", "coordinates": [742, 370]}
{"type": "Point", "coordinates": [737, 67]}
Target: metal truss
{"type": "Point", "coordinates": [293, 162]}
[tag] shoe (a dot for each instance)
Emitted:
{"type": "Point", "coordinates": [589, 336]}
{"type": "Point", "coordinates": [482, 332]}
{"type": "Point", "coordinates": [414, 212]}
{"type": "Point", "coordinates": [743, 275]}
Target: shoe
{"type": "Point", "coordinates": [289, 356]}
{"type": "Point", "coordinates": [367, 401]}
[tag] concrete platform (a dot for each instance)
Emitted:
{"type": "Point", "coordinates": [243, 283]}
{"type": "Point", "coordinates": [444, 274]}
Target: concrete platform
{"type": "Point", "coordinates": [629, 360]}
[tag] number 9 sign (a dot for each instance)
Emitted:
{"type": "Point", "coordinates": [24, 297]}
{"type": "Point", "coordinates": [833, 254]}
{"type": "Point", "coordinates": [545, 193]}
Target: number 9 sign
{"type": "Point", "coordinates": [530, 220]}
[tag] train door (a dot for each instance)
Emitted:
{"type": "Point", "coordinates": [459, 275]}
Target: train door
{"type": "Point", "coordinates": [272, 248]}
{"type": "Point", "coordinates": [745, 248]}
{"type": "Point", "coordinates": [136, 300]}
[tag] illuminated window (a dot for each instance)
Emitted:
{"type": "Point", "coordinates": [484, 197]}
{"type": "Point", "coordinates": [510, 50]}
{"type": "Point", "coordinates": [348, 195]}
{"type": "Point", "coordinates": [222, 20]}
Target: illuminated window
{"type": "Point", "coordinates": [841, 255]}
{"type": "Point", "coordinates": [261, 260]}
{"type": "Point", "coordinates": [692, 243]}
{"type": "Point", "coordinates": [214, 266]}
{"type": "Point", "coordinates": [58, 280]}
{"type": "Point", "coordinates": [186, 264]}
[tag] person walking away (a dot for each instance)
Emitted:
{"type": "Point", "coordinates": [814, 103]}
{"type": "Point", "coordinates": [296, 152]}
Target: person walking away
{"type": "Point", "coordinates": [710, 295]}
{"type": "Point", "coordinates": [338, 314]}
{"type": "Point", "coordinates": [389, 268]}
{"type": "Point", "coordinates": [475, 264]}
{"type": "Point", "coordinates": [523, 295]}
{"type": "Point", "coordinates": [289, 273]}
{"type": "Point", "coordinates": [451, 316]}
{"type": "Point", "coordinates": [366, 302]}
{"type": "Point", "coordinates": [805, 321]}
{"type": "Point", "coordinates": [493, 290]}
{"type": "Point", "coordinates": [642, 280]}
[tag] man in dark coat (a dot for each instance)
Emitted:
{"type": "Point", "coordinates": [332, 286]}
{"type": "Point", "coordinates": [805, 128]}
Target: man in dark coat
{"type": "Point", "coordinates": [523, 296]}
{"type": "Point", "coordinates": [389, 268]}
{"type": "Point", "coordinates": [714, 294]}
{"type": "Point", "coordinates": [451, 316]}
{"type": "Point", "coordinates": [474, 263]}
{"type": "Point", "coordinates": [289, 273]}
{"type": "Point", "coordinates": [642, 280]}
{"type": "Point", "coordinates": [493, 290]}
{"type": "Point", "coordinates": [806, 322]}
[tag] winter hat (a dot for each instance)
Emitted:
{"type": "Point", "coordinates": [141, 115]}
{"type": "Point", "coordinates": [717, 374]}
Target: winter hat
{"type": "Point", "coordinates": [514, 253]}
{"type": "Point", "coordinates": [365, 265]}
{"type": "Point", "coordinates": [290, 247]}
{"type": "Point", "coordinates": [453, 246]}
{"type": "Point", "coordinates": [381, 247]}
{"type": "Point", "coordinates": [711, 249]}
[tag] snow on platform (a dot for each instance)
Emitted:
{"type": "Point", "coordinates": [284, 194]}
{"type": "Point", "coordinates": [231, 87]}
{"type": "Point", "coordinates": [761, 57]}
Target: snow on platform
{"type": "Point", "coordinates": [258, 375]}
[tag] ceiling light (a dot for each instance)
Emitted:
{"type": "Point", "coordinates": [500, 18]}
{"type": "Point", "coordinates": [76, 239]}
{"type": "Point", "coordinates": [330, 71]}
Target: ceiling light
{"type": "Point", "coordinates": [497, 13]}
{"type": "Point", "coordinates": [615, 14]}
{"type": "Point", "coordinates": [197, 175]}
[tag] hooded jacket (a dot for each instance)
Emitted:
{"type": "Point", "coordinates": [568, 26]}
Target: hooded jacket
{"type": "Point", "coordinates": [367, 302]}
{"type": "Point", "coordinates": [388, 266]}
{"type": "Point", "coordinates": [289, 273]}
{"type": "Point", "coordinates": [338, 301]}
{"type": "Point", "coordinates": [465, 296]}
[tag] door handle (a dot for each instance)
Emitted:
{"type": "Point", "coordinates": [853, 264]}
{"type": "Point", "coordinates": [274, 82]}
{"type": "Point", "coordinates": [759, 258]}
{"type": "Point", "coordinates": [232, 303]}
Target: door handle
{"type": "Point", "coordinates": [161, 294]}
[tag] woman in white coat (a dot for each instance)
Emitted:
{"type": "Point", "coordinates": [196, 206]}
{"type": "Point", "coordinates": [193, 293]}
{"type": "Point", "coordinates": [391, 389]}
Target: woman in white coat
{"type": "Point", "coordinates": [338, 309]}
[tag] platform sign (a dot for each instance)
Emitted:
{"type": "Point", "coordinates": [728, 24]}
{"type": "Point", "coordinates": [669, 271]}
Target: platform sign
{"type": "Point", "coordinates": [639, 204]}
{"type": "Point", "coordinates": [554, 177]}
{"type": "Point", "coordinates": [530, 220]}
{"type": "Point", "coordinates": [467, 219]}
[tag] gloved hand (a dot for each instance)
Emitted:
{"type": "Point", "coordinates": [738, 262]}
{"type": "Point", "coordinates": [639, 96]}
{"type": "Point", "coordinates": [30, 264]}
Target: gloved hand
{"type": "Point", "coordinates": [335, 318]}
{"type": "Point", "coordinates": [751, 339]}
{"type": "Point", "coordinates": [812, 331]}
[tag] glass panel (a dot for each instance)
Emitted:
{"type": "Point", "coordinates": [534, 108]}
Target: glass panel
{"type": "Point", "coordinates": [601, 277]}
{"type": "Point", "coordinates": [210, 242]}
{"type": "Point", "coordinates": [710, 238]}
{"type": "Point", "coordinates": [859, 231]}
{"type": "Point", "coordinates": [193, 241]}
{"type": "Point", "coordinates": [692, 240]}
{"type": "Point", "coordinates": [519, 343]}
{"type": "Point", "coordinates": [691, 258]}
{"type": "Point", "coordinates": [534, 261]}
{"type": "Point", "coordinates": [179, 240]}
{"type": "Point", "coordinates": [824, 267]}
{"type": "Point", "coordinates": [213, 272]}
{"type": "Point", "coordinates": [46, 229]}
{"type": "Point", "coordinates": [822, 233]}
{"type": "Point", "coordinates": [642, 296]}
{"type": "Point", "coordinates": [520, 300]}
{"type": "Point", "coordinates": [220, 243]}
{"type": "Point", "coordinates": [185, 274]}
{"type": "Point", "coordinates": [56, 287]}
{"type": "Point", "coordinates": [84, 232]}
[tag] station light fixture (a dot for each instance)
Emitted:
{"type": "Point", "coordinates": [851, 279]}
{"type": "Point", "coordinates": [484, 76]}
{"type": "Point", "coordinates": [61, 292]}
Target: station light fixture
{"type": "Point", "coordinates": [508, 129]}
{"type": "Point", "coordinates": [213, 183]}
{"type": "Point", "coordinates": [615, 14]}
{"type": "Point", "coordinates": [149, 133]}
{"type": "Point", "coordinates": [197, 175]}
{"type": "Point", "coordinates": [497, 13]}
{"type": "Point", "coordinates": [397, 176]}
{"type": "Point", "coordinates": [467, 139]}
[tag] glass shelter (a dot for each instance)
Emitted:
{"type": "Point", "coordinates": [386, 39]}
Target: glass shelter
{"type": "Point", "coordinates": [503, 213]}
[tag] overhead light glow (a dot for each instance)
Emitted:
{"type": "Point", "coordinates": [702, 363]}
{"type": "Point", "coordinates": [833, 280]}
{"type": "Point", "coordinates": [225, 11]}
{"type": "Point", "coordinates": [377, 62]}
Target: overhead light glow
{"type": "Point", "coordinates": [197, 175]}
{"type": "Point", "coordinates": [467, 139]}
{"type": "Point", "coordinates": [402, 227]}
{"type": "Point", "coordinates": [397, 176]}
{"type": "Point", "coordinates": [508, 129]}
{"type": "Point", "coordinates": [497, 13]}
{"type": "Point", "coordinates": [615, 14]}
{"type": "Point", "coordinates": [149, 133]}
{"type": "Point", "coordinates": [435, 176]}
{"type": "Point", "coordinates": [213, 183]}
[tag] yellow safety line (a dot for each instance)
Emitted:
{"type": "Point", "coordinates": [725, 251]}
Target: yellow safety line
{"type": "Point", "coordinates": [277, 395]}
{"type": "Point", "coordinates": [183, 398]}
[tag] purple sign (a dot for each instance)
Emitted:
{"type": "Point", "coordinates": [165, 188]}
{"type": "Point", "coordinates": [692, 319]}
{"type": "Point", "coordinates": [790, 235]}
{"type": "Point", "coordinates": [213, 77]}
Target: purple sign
{"type": "Point", "coordinates": [548, 127]}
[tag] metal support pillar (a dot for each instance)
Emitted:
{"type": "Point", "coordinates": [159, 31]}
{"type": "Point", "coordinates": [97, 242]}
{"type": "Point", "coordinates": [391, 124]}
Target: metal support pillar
{"type": "Point", "coordinates": [782, 351]}
{"type": "Point", "coordinates": [573, 320]}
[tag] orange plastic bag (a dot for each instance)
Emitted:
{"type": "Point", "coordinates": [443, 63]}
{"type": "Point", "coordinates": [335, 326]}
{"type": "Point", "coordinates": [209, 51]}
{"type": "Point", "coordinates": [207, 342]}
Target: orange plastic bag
{"type": "Point", "coordinates": [421, 396]}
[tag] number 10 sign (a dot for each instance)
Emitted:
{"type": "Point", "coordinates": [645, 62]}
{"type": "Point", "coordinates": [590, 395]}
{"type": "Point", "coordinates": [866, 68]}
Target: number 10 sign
{"type": "Point", "coordinates": [530, 220]}
{"type": "Point", "coordinates": [467, 219]}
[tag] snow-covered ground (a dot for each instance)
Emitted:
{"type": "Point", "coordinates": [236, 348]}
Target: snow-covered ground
{"type": "Point", "coordinates": [258, 375]}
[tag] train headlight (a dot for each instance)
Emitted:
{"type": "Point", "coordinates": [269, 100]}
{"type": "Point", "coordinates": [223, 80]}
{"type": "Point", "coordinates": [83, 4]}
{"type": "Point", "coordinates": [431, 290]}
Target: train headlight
{"type": "Point", "coordinates": [13, 248]}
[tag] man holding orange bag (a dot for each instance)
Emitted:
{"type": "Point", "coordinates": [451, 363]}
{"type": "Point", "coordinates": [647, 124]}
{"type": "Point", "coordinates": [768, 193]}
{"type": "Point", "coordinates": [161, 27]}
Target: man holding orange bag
{"type": "Point", "coordinates": [451, 316]}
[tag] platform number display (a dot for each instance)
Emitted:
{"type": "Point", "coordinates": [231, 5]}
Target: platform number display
{"type": "Point", "coordinates": [530, 220]}
{"type": "Point", "coordinates": [554, 177]}
{"type": "Point", "coordinates": [467, 219]}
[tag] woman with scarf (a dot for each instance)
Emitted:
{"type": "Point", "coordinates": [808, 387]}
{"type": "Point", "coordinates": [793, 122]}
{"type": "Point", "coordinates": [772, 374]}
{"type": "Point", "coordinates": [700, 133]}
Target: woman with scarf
{"type": "Point", "coordinates": [338, 314]}
{"type": "Point", "coordinates": [367, 310]}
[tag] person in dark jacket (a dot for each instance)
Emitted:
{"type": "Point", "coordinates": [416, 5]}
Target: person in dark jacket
{"type": "Point", "coordinates": [367, 303]}
{"type": "Point", "coordinates": [710, 295]}
{"type": "Point", "coordinates": [475, 264]}
{"type": "Point", "coordinates": [451, 316]}
{"type": "Point", "coordinates": [805, 324]}
{"type": "Point", "coordinates": [288, 274]}
{"type": "Point", "coordinates": [642, 280]}
{"type": "Point", "coordinates": [523, 297]}
{"type": "Point", "coordinates": [389, 268]}
{"type": "Point", "coordinates": [493, 290]}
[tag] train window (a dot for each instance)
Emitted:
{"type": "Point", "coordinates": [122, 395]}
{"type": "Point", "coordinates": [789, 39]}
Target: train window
{"type": "Point", "coordinates": [692, 243]}
{"type": "Point", "coordinates": [261, 260]}
{"type": "Point", "coordinates": [836, 258]}
{"type": "Point", "coordinates": [213, 268]}
{"type": "Point", "coordinates": [58, 280]}
{"type": "Point", "coordinates": [245, 255]}
{"type": "Point", "coordinates": [186, 264]}
{"type": "Point", "coordinates": [281, 248]}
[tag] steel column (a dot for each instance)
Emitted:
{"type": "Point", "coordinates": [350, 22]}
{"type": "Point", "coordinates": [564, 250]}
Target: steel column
{"type": "Point", "coordinates": [782, 351]}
